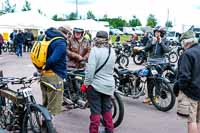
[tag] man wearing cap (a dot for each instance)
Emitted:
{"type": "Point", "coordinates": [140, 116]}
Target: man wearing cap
{"type": "Point", "coordinates": [100, 83]}
{"type": "Point", "coordinates": [187, 86]}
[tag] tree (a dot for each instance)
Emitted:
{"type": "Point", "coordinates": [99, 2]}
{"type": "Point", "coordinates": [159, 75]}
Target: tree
{"type": "Point", "coordinates": [105, 16]}
{"type": "Point", "coordinates": [115, 22]}
{"type": "Point", "coordinates": [90, 15]}
{"type": "Point", "coordinates": [27, 6]}
{"type": "Point", "coordinates": [8, 8]}
{"type": "Point", "coordinates": [56, 18]}
{"type": "Point", "coordinates": [151, 21]}
{"type": "Point", "coordinates": [40, 11]}
{"type": "Point", "coordinates": [72, 16]}
{"type": "Point", "coordinates": [134, 22]}
{"type": "Point", "coordinates": [169, 24]}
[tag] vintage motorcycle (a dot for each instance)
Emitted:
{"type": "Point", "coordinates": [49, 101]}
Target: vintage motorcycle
{"type": "Point", "coordinates": [77, 99]}
{"type": "Point", "coordinates": [132, 84]}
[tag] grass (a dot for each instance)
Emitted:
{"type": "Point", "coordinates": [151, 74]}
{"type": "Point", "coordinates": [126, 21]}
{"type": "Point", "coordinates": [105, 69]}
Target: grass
{"type": "Point", "coordinates": [123, 38]}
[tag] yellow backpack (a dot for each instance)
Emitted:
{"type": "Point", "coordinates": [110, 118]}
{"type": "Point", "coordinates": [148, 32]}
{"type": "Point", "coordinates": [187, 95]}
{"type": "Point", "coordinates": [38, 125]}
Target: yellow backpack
{"type": "Point", "coordinates": [39, 52]}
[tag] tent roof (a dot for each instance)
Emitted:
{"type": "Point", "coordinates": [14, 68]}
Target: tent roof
{"type": "Point", "coordinates": [28, 19]}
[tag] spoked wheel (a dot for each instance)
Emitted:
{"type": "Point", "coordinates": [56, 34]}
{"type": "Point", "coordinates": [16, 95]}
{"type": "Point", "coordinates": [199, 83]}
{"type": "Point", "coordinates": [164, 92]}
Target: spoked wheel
{"type": "Point", "coordinates": [180, 51]}
{"type": "Point", "coordinates": [4, 48]}
{"type": "Point", "coordinates": [123, 61]}
{"type": "Point", "coordinates": [173, 57]}
{"type": "Point", "coordinates": [162, 96]}
{"type": "Point", "coordinates": [117, 110]}
{"type": "Point", "coordinates": [138, 59]}
{"type": "Point", "coordinates": [36, 122]}
{"type": "Point", "coordinates": [170, 75]}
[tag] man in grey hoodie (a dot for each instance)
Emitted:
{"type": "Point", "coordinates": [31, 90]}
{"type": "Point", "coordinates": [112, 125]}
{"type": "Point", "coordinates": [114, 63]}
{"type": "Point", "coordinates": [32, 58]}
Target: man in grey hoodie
{"type": "Point", "coordinates": [100, 85]}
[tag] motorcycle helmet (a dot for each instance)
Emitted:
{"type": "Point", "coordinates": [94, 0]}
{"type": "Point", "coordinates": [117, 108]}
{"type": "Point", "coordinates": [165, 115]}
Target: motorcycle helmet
{"type": "Point", "coordinates": [161, 30]}
{"type": "Point", "coordinates": [80, 30]}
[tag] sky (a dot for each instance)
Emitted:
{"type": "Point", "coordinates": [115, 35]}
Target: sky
{"type": "Point", "coordinates": [180, 11]}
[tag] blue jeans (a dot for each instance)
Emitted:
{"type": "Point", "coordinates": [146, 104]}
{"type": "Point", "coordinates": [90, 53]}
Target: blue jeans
{"type": "Point", "coordinates": [19, 50]}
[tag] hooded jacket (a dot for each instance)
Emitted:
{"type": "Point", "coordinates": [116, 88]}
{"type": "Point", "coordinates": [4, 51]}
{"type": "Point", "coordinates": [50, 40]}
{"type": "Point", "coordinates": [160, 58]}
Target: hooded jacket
{"type": "Point", "coordinates": [56, 55]}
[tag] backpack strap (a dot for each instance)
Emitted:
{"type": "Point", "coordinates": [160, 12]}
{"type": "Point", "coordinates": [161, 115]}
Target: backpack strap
{"type": "Point", "coordinates": [104, 62]}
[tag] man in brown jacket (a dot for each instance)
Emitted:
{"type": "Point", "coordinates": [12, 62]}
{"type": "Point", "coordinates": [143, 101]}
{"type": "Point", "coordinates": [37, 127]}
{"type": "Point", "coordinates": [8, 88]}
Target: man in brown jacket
{"type": "Point", "coordinates": [78, 49]}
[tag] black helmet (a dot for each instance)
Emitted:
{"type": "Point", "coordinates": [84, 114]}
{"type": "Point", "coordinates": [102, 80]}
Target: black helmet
{"type": "Point", "coordinates": [160, 29]}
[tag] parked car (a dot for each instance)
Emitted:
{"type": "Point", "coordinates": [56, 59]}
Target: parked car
{"type": "Point", "coordinates": [115, 32]}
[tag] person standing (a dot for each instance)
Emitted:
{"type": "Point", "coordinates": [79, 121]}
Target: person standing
{"type": "Point", "coordinates": [99, 82]}
{"type": "Point", "coordinates": [19, 40]}
{"type": "Point", "coordinates": [187, 86]}
{"type": "Point", "coordinates": [1, 43]}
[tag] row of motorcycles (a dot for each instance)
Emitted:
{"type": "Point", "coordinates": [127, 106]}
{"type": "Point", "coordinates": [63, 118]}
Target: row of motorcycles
{"type": "Point", "coordinates": [157, 78]}
{"type": "Point", "coordinates": [127, 50]}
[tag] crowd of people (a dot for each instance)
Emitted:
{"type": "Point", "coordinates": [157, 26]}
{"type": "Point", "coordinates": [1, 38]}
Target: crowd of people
{"type": "Point", "coordinates": [74, 46]}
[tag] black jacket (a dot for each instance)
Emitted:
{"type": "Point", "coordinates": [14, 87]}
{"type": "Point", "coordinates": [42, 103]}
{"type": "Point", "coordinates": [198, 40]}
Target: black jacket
{"type": "Point", "coordinates": [157, 50]}
{"type": "Point", "coordinates": [188, 78]}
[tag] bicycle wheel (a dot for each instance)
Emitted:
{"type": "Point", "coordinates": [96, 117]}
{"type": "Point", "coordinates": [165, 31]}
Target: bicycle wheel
{"type": "Point", "coordinates": [36, 121]}
{"type": "Point", "coordinates": [162, 96]}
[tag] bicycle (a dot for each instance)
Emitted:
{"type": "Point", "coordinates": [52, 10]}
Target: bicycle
{"type": "Point", "coordinates": [19, 110]}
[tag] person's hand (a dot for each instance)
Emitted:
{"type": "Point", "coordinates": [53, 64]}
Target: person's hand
{"type": "Point", "coordinates": [80, 58]}
{"type": "Point", "coordinates": [83, 88]}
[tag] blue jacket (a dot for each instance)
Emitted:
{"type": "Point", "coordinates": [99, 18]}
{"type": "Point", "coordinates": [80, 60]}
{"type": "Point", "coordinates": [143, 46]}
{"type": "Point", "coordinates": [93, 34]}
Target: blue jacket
{"type": "Point", "coordinates": [56, 55]}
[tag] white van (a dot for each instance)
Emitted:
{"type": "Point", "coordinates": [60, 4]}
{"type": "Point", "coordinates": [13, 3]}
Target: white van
{"type": "Point", "coordinates": [173, 36]}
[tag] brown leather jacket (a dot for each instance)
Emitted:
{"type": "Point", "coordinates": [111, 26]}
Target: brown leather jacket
{"type": "Point", "coordinates": [77, 51]}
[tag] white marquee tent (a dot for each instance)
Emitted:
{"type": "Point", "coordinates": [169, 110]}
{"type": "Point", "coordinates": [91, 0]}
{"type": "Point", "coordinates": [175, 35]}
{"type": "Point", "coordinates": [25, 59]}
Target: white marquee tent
{"type": "Point", "coordinates": [28, 19]}
{"type": "Point", "coordinates": [88, 24]}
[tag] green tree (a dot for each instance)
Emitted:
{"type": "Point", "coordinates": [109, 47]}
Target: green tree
{"type": "Point", "coordinates": [40, 11]}
{"type": "Point", "coordinates": [8, 8]}
{"type": "Point", "coordinates": [27, 6]}
{"type": "Point", "coordinates": [115, 22]}
{"type": "Point", "coordinates": [169, 24]}
{"type": "Point", "coordinates": [72, 16]}
{"type": "Point", "coordinates": [105, 16]}
{"type": "Point", "coordinates": [151, 21]}
{"type": "Point", "coordinates": [134, 22]}
{"type": "Point", "coordinates": [90, 15]}
{"type": "Point", "coordinates": [56, 18]}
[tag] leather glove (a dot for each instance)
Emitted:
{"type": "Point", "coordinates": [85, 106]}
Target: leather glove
{"type": "Point", "coordinates": [83, 88]}
{"type": "Point", "coordinates": [176, 89]}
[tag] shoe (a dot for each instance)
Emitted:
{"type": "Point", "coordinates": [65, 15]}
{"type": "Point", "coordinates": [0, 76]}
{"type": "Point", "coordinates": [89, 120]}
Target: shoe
{"type": "Point", "coordinates": [147, 100]}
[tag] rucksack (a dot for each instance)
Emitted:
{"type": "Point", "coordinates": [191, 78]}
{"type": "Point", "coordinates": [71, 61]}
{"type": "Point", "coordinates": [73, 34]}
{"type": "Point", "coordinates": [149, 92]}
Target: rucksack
{"type": "Point", "coordinates": [39, 52]}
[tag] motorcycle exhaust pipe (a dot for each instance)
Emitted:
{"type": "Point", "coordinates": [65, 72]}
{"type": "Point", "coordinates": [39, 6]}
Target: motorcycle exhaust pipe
{"type": "Point", "coordinates": [68, 101]}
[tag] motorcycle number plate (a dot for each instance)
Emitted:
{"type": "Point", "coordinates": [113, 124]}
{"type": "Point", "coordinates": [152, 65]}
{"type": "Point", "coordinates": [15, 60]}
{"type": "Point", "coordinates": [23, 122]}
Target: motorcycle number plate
{"type": "Point", "coordinates": [154, 72]}
{"type": "Point", "coordinates": [27, 92]}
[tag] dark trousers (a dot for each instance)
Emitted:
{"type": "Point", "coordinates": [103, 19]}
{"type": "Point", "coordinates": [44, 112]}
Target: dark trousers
{"type": "Point", "coordinates": [0, 49]}
{"type": "Point", "coordinates": [19, 50]}
{"type": "Point", "coordinates": [100, 104]}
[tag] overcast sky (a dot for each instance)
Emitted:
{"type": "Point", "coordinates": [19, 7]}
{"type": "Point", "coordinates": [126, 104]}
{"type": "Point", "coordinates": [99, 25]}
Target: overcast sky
{"type": "Point", "coordinates": [180, 11]}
